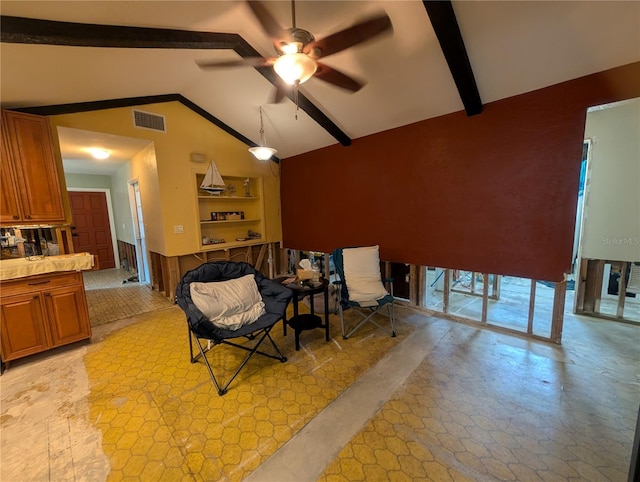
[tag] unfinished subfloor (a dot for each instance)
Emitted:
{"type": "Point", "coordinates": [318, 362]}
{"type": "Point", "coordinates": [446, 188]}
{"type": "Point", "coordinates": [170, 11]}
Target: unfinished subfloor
{"type": "Point", "coordinates": [441, 401]}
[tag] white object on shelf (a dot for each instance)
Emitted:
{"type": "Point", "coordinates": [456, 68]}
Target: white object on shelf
{"type": "Point", "coordinates": [213, 181]}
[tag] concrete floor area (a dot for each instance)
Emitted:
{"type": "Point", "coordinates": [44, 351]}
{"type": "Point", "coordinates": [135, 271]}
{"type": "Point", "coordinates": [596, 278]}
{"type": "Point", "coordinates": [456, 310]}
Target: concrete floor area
{"type": "Point", "coordinates": [442, 401]}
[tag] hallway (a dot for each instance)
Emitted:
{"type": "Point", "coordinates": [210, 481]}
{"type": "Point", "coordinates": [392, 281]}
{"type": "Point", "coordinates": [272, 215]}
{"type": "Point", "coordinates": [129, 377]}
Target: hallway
{"type": "Point", "coordinates": [442, 401]}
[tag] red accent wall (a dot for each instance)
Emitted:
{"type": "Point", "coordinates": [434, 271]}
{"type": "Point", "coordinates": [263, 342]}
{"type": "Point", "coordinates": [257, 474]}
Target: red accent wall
{"type": "Point", "coordinates": [493, 193]}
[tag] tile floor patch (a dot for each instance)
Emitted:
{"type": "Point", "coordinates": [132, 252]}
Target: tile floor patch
{"type": "Point", "coordinates": [146, 393]}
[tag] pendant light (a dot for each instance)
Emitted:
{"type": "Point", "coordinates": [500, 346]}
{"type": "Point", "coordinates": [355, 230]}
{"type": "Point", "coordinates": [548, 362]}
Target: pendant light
{"type": "Point", "coordinates": [262, 152]}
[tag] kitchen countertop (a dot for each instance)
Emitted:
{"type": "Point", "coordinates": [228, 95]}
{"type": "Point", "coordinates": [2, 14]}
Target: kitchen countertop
{"type": "Point", "coordinates": [22, 267]}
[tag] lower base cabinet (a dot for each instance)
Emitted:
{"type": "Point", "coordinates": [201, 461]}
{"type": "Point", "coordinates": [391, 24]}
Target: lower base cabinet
{"type": "Point", "coordinates": [42, 312]}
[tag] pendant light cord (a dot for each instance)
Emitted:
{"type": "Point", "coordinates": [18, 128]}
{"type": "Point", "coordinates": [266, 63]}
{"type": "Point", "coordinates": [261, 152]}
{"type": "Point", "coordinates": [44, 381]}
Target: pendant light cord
{"type": "Point", "coordinates": [263, 142]}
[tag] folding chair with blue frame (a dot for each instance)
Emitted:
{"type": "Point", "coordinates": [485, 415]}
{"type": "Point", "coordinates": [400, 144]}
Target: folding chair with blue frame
{"type": "Point", "coordinates": [225, 300]}
{"type": "Point", "coordinates": [361, 286]}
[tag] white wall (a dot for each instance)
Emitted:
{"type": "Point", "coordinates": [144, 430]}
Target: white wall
{"type": "Point", "coordinates": [121, 206]}
{"type": "Point", "coordinates": [611, 223]}
{"type": "Point", "coordinates": [87, 180]}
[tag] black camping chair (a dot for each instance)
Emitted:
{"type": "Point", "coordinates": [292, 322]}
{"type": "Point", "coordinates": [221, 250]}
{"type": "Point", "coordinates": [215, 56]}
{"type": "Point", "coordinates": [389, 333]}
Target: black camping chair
{"type": "Point", "coordinates": [365, 308]}
{"type": "Point", "coordinates": [274, 295]}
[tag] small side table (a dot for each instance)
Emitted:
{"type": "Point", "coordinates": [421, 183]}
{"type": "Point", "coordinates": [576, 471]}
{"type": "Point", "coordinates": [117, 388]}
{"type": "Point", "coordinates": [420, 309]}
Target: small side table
{"type": "Point", "coordinates": [306, 321]}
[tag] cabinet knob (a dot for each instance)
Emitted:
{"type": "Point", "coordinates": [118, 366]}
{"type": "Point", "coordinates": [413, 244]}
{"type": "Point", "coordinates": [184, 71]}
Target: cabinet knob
{"type": "Point", "coordinates": [27, 216]}
{"type": "Point", "coordinates": [35, 297]}
{"type": "Point", "coordinates": [15, 216]}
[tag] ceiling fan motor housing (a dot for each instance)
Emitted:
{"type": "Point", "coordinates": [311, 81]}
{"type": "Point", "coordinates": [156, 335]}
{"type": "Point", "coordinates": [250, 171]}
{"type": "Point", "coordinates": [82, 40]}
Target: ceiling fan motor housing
{"type": "Point", "coordinates": [297, 36]}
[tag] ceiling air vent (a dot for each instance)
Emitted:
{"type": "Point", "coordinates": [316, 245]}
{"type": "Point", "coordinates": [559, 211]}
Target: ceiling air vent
{"type": "Point", "coordinates": [147, 120]}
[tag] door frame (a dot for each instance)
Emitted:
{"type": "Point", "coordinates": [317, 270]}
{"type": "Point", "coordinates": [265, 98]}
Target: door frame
{"type": "Point", "coordinates": [144, 274]}
{"type": "Point", "coordinates": [112, 224]}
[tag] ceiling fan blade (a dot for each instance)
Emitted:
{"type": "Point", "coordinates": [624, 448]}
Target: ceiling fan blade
{"type": "Point", "coordinates": [269, 24]}
{"type": "Point", "coordinates": [337, 78]}
{"type": "Point", "coordinates": [349, 37]}
{"type": "Point", "coordinates": [249, 61]}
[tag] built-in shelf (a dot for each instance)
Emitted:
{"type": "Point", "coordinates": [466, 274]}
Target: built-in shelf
{"type": "Point", "coordinates": [251, 208]}
{"type": "Point", "coordinates": [232, 244]}
{"type": "Point", "coordinates": [234, 198]}
{"type": "Point", "coordinates": [232, 221]}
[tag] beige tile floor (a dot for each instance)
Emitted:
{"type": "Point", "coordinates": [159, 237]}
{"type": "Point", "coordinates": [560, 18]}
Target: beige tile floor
{"type": "Point", "coordinates": [110, 299]}
{"type": "Point", "coordinates": [442, 401]}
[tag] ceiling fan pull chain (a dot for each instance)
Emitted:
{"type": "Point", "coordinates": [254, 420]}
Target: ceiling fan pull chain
{"type": "Point", "coordinates": [295, 98]}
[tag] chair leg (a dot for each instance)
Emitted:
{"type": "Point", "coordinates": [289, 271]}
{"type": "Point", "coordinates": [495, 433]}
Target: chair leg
{"type": "Point", "coordinates": [221, 391]}
{"type": "Point", "coordinates": [392, 319]}
{"type": "Point", "coordinates": [370, 319]}
{"type": "Point", "coordinates": [251, 351]}
{"type": "Point", "coordinates": [191, 358]}
{"type": "Point", "coordinates": [341, 311]}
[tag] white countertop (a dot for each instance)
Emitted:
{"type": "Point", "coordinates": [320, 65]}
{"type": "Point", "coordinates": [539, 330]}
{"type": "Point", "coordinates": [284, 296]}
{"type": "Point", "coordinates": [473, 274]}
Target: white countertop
{"type": "Point", "coordinates": [22, 267]}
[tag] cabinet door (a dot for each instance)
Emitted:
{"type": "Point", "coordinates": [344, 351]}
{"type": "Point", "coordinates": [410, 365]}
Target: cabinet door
{"type": "Point", "coordinates": [68, 315]}
{"type": "Point", "coordinates": [9, 205]}
{"type": "Point", "coordinates": [31, 150]}
{"type": "Point", "coordinates": [22, 326]}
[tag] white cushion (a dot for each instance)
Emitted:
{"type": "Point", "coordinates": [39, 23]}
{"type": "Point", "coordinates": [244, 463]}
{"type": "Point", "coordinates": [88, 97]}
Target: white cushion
{"type": "Point", "coordinates": [362, 273]}
{"type": "Point", "coordinates": [229, 304]}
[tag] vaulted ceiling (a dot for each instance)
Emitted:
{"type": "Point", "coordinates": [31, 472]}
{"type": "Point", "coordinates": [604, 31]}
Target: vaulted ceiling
{"type": "Point", "coordinates": [417, 71]}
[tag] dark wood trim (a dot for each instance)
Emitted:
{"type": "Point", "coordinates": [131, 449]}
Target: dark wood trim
{"type": "Point", "coordinates": [59, 109]}
{"type": "Point", "coordinates": [49, 32]}
{"type": "Point", "coordinates": [136, 101]}
{"type": "Point", "coordinates": [445, 25]}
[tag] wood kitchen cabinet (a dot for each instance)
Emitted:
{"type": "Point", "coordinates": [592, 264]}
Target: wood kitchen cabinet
{"type": "Point", "coordinates": [42, 312]}
{"type": "Point", "coordinates": [31, 191]}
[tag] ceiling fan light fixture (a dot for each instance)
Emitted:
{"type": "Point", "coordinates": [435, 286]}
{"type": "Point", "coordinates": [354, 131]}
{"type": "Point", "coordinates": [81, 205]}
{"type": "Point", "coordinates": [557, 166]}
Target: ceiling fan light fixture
{"type": "Point", "coordinates": [262, 152]}
{"type": "Point", "coordinates": [295, 68]}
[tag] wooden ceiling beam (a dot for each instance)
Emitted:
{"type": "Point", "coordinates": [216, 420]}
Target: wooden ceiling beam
{"type": "Point", "coordinates": [445, 25]}
{"type": "Point", "coordinates": [48, 32]}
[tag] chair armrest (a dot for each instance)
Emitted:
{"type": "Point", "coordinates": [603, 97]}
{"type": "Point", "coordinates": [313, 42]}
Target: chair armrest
{"type": "Point", "coordinates": [390, 281]}
{"type": "Point", "coordinates": [275, 296]}
{"type": "Point", "coordinates": [338, 284]}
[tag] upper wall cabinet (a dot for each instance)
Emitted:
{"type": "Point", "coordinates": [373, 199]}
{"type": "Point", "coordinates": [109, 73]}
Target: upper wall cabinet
{"type": "Point", "coordinates": [30, 184]}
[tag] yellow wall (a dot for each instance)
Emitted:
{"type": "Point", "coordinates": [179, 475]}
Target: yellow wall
{"type": "Point", "coordinates": [167, 180]}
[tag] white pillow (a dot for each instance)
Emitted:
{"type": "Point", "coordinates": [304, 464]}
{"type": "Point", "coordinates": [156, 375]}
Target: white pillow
{"type": "Point", "coordinates": [229, 304]}
{"type": "Point", "coordinates": [362, 273]}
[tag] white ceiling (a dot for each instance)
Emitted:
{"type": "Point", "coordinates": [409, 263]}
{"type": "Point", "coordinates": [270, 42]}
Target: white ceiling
{"type": "Point", "coordinates": [513, 46]}
{"type": "Point", "coordinates": [77, 159]}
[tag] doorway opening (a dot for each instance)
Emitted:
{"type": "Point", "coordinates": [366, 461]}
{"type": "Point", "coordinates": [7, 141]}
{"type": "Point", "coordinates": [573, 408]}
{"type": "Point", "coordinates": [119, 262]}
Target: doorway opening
{"type": "Point", "coordinates": [139, 232]}
{"type": "Point", "coordinates": [608, 254]}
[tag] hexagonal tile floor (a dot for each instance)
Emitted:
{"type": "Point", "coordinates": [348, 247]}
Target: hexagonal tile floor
{"type": "Point", "coordinates": [441, 402]}
{"type": "Point", "coordinates": [160, 415]}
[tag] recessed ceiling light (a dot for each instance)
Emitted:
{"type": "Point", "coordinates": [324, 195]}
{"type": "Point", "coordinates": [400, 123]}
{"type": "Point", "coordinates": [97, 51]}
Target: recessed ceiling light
{"type": "Point", "coordinates": [99, 153]}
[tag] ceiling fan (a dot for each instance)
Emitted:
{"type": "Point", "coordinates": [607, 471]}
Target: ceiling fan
{"type": "Point", "coordinates": [299, 52]}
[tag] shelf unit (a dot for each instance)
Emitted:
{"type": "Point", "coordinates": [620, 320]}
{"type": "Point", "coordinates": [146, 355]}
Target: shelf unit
{"type": "Point", "coordinates": [234, 232]}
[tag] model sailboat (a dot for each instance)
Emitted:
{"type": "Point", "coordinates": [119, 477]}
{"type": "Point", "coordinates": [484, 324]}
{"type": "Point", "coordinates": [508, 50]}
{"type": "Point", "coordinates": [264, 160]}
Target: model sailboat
{"type": "Point", "coordinates": [213, 181]}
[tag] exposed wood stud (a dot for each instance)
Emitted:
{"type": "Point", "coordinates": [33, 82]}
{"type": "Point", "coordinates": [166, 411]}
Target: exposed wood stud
{"type": "Point", "coordinates": [263, 250]}
{"type": "Point", "coordinates": [413, 284]}
{"type": "Point", "coordinates": [622, 290]}
{"type": "Point", "coordinates": [532, 306]}
{"type": "Point", "coordinates": [446, 290]}
{"type": "Point", "coordinates": [557, 317]}
{"type": "Point", "coordinates": [485, 296]}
